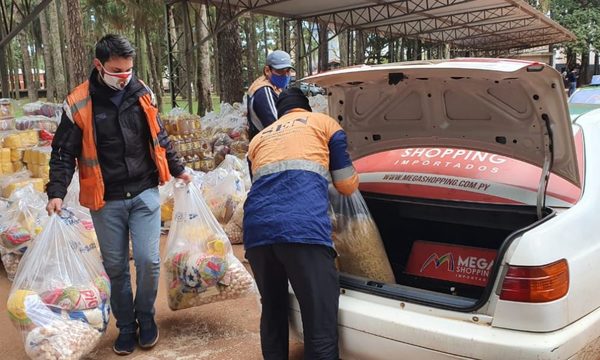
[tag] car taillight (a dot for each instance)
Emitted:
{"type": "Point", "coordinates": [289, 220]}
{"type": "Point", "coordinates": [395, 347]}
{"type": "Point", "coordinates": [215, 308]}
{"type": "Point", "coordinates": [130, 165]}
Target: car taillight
{"type": "Point", "coordinates": [536, 284]}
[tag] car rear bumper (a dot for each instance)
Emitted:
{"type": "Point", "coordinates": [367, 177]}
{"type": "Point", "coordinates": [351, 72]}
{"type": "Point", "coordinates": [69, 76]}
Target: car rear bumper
{"type": "Point", "coordinates": [372, 328]}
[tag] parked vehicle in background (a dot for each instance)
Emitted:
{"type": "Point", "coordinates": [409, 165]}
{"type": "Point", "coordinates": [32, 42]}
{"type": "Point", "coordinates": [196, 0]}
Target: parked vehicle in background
{"type": "Point", "coordinates": [311, 89]}
{"type": "Point", "coordinates": [485, 193]}
{"type": "Point", "coordinates": [588, 94]}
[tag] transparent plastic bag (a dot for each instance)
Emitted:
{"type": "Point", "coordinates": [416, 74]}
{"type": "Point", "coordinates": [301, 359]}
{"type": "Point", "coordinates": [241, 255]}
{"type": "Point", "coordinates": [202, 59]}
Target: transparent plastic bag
{"type": "Point", "coordinates": [357, 239]}
{"type": "Point", "coordinates": [20, 223]}
{"type": "Point", "coordinates": [166, 200]}
{"type": "Point", "coordinates": [223, 191]}
{"type": "Point", "coordinates": [200, 264]}
{"type": "Point", "coordinates": [36, 122]}
{"type": "Point", "coordinates": [59, 300]}
{"type": "Point", "coordinates": [233, 163]}
{"type": "Point", "coordinates": [235, 227]}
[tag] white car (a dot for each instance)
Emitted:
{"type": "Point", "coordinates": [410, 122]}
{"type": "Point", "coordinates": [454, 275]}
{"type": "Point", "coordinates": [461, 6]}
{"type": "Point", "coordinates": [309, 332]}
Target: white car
{"type": "Point", "coordinates": [487, 198]}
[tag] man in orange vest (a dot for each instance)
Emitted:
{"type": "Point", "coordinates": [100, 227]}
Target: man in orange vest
{"type": "Point", "coordinates": [287, 230]}
{"type": "Point", "coordinates": [263, 93]}
{"type": "Point", "coordinates": [111, 132]}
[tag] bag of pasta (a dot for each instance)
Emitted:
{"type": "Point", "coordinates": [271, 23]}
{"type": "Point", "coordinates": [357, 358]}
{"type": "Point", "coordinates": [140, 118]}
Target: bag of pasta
{"type": "Point", "coordinates": [357, 240]}
{"type": "Point", "coordinates": [201, 267]}
{"type": "Point", "coordinates": [59, 300]}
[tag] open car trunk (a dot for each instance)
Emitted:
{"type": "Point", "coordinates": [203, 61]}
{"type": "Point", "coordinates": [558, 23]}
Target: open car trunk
{"type": "Point", "coordinates": [443, 253]}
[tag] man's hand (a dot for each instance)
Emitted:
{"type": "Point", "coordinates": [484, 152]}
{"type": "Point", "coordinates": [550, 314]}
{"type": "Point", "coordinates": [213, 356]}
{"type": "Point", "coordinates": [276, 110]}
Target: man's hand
{"type": "Point", "coordinates": [54, 206]}
{"type": "Point", "coordinates": [185, 177]}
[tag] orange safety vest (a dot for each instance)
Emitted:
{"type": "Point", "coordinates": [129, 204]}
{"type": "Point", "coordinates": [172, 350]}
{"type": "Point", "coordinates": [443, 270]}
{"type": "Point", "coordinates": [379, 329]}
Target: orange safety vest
{"type": "Point", "coordinates": [79, 110]}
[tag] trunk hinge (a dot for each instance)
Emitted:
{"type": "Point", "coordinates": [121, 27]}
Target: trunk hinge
{"type": "Point", "coordinates": [548, 157]}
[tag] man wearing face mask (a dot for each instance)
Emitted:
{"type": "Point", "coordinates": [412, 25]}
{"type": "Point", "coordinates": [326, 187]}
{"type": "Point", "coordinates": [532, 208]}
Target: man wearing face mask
{"type": "Point", "coordinates": [263, 93]}
{"type": "Point", "coordinates": [111, 130]}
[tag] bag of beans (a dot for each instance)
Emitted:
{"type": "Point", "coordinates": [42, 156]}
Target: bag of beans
{"type": "Point", "coordinates": [201, 267]}
{"type": "Point", "coordinates": [357, 240]}
{"type": "Point", "coordinates": [59, 300]}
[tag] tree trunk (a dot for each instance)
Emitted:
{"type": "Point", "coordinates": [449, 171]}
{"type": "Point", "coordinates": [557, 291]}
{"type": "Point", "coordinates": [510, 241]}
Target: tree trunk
{"type": "Point", "coordinates": [203, 80]}
{"type": "Point", "coordinates": [323, 47]}
{"type": "Point", "coordinates": [60, 80]}
{"type": "Point", "coordinates": [582, 79]}
{"type": "Point", "coordinates": [67, 49]}
{"type": "Point", "coordinates": [154, 77]}
{"type": "Point", "coordinates": [596, 65]}
{"type": "Point", "coordinates": [189, 57]}
{"type": "Point", "coordinates": [157, 50]}
{"type": "Point", "coordinates": [360, 47]}
{"type": "Point", "coordinates": [48, 64]}
{"type": "Point", "coordinates": [78, 60]}
{"type": "Point", "coordinates": [230, 69]}
{"type": "Point", "coordinates": [343, 46]}
{"type": "Point", "coordinates": [251, 56]}
{"type": "Point", "coordinates": [140, 60]}
{"type": "Point", "coordinates": [283, 35]}
{"type": "Point", "coordinates": [27, 69]}
{"type": "Point", "coordinates": [265, 36]}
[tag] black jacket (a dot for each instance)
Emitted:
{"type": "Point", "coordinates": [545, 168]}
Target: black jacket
{"type": "Point", "coordinates": [122, 143]}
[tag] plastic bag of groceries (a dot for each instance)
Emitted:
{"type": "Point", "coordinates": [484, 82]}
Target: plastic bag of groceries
{"type": "Point", "coordinates": [223, 191]}
{"type": "Point", "coordinates": [60, 297]}
{"type": "Point", "coordinates": [234, 227]}
{"type": "Point", "coordinates": [20, 223]}
{"type": "Point", "coordinates": [201, 267]}
{"type": "Point", "coordinates": [357, 240]}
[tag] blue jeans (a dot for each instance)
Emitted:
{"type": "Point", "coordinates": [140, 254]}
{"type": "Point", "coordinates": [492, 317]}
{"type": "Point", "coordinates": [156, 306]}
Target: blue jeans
{"type": "Point", "coordinates": [572, 88]}
{"type": "Point", "coordinates": [140, 217]}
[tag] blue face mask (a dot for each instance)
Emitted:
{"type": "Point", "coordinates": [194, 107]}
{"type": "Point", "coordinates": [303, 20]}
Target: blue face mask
{"type": "Point", "coordinates": [281, 81]}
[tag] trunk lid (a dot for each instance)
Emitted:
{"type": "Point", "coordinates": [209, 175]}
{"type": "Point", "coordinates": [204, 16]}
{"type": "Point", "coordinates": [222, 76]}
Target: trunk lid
{"type": "Point", "coordinates": [508, 107]}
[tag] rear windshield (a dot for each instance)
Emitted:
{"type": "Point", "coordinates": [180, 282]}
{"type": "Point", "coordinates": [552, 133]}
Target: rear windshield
{"type": "Point", "coordinates": [586, 96]}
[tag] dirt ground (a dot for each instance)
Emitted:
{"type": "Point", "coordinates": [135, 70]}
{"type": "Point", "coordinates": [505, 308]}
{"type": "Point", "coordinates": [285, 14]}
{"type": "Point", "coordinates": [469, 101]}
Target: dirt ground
{"type": "Point", "coordinates": [219, 331]}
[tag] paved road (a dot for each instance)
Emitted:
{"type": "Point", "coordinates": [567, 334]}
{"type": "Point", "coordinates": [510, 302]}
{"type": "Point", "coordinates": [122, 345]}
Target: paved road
{"type": "Point", "coordinates": [221, 331]}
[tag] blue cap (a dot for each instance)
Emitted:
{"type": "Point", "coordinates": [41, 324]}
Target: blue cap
{"type": "Point", "coordinates": [279, 59]}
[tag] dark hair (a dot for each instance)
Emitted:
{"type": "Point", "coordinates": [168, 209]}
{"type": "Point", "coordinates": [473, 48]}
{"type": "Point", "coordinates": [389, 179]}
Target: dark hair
{"type": "Point", "coordinates": [291, 98]}
{"type": "Point", "coordinates": [112, 45]}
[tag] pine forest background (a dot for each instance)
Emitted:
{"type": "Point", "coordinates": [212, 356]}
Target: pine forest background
{"type": "Point", "coordinates": [55, 51]}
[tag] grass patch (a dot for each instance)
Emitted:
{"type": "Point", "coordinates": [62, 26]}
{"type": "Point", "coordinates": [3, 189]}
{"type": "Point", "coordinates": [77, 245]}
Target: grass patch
{"type": "Point", "coordinates": [183, 103]}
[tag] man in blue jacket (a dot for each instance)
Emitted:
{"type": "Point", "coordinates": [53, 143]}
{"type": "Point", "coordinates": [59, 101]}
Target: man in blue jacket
{"type": "Point", "coordinates": [263, 93]}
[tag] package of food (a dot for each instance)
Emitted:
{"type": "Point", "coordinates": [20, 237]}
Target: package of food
{"type": "Point", "coordinates": [36, 122]}
{"type": "Point", "coordinates": [166, 199]}
{"type": "Point", "coordinates": [6, 109]}
{"type": "Point", "coordinates": [37, 183]}
{"type": "Point", "coordinates": [60, 305]}
{"type": "Point", "coordinates": [7, 124]}
{"type": "Point", "coordinates": [20, 223]}
{"type": "Point", "coordinates": [200, 265]}
{"type": "Point", "coordinates": [5, 154]}
{"type": "Point", "coordinates": [223, 191]}
{"type": "Point", "coordinates": [233, 163]}
{"type": "Point", "coordinates": [357, 239]}
{"type": "Point", "coordinates": [235, 227]}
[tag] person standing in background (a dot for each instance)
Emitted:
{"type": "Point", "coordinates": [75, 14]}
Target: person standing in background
{"type": "Point", "coordinates": [572, 80]}
{"type": "Point", "coordinates": [263, 93]}
{"type": "Point", "coordinates": [111, 130]}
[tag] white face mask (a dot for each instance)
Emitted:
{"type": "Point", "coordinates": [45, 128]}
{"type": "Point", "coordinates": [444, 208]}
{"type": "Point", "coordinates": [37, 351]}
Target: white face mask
{"type": "Point", "coordinates": [116, 81]}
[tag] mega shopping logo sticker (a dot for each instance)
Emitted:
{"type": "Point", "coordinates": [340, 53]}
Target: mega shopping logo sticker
{"type": "Point", "coordinates": [456, 263]}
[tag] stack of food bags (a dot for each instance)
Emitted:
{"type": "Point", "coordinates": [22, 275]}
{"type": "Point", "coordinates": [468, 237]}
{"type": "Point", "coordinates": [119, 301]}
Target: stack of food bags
{"type": "Point", "coordinates": [59, 300]}
{"type": "Point", "coordinates": [201, 267]}
{"type": "Point", "coordinates": [357, 240]}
